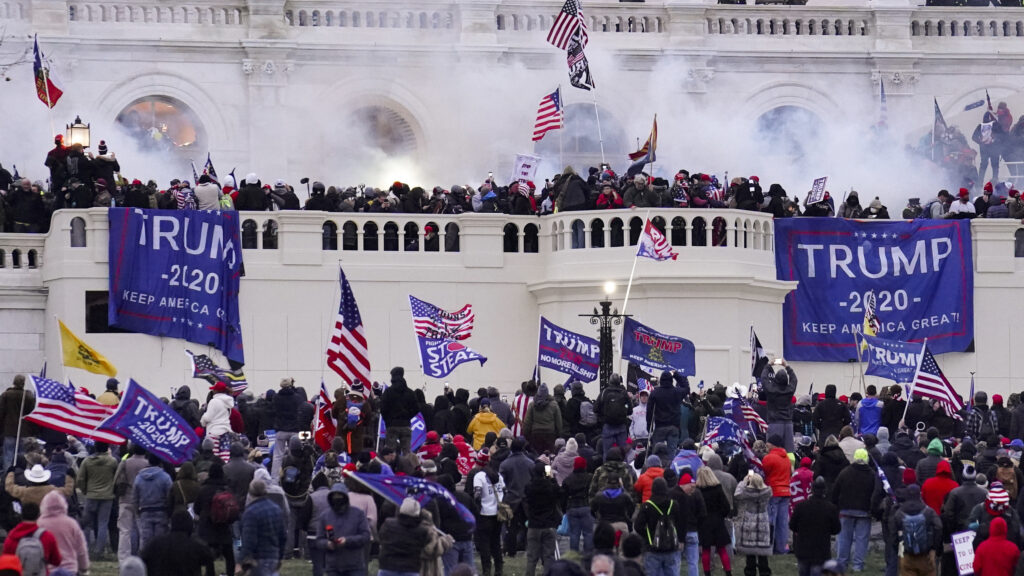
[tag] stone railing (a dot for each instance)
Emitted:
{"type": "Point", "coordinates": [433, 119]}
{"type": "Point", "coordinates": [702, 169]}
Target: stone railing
{"type": "Point", "coordinates": [12, 10]}
{"type": "Point", "coordinates": [967, 22]}
{"type": "Point", "coordinates": [21, 251]}
{"type": "Point", "coordinates": [601, 17]}
{"type": "Point", "coordinates": [788, 21]}
{"type": "Point", "coordinates": [384, 15]}
{"type": "Point", "coordinates": [153, 13]}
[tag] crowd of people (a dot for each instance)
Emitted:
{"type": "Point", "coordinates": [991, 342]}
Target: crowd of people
{"type": "Point", "coordinates": [635, 479]}
{"type": "Point", "coordinates": [79, 179]}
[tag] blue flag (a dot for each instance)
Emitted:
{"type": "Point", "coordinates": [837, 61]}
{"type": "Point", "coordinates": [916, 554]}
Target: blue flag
{"type": "Point", "coordinates": [176, 274]}
{"type": "Point", "coordinates": [568, 352]}
{"type": "Point", "coordinates": [419, 431]}
{"type": "Point", "coordinates": [440, 356]}
{"type": "Point", "coordinates": [891, 359]}
{"type": "Point", "coordinates": [920, 271]}
{"type": "Point", "coordinates": [657, 351]}
{"type": "Point", "coordinates": [396, 488]}
{"type": "Point", "coordinates": [145, 420]}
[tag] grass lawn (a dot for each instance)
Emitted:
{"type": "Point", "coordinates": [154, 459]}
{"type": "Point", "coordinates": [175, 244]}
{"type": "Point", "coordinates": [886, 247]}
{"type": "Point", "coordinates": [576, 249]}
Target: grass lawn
{"type": "Point", "coordinates": [781, 566]}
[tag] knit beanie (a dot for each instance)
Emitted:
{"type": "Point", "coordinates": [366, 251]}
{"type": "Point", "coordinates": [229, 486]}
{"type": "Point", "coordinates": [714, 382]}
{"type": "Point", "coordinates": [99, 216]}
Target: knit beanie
{"type": "Point", "coordinates": [861, 455]}
{"type": "Point", "coordinates": [935, 447]}
{"type": "Point", "coordinates": [998, 499]}
{"type": "Point", "coordinates": [579, 463]}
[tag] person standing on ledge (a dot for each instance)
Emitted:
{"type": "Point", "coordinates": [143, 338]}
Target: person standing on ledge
{"type": "Point", "coordinates": [779, 388]}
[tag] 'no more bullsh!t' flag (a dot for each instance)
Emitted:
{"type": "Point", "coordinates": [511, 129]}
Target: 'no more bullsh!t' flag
{"type": "Point", "coordinates": [145, 420]}
{"type": "Point", "coordinates": [657, 351]}
{"type": "Point", "coordinates": [177, 274]}
{"type": "Point", "coordinates": [568, 352]}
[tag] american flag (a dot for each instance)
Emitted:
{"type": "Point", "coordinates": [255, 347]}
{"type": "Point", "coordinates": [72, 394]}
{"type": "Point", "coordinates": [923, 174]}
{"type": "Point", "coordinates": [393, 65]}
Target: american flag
{"type": "Point", "coordinates": [549, 115]}
{"type": "Point", "coordinates": [70, 411]}
{"type": "Point", "coordinates": [222, 448]}
{"type": "Point", "coordinates": [871, 324]}
{"type": "Point", "coordinates": [740, 410]}
{"type": "Point", "coordinates": [347, 353]}
{"type": "Point", "coordinates": [433, 322]}
{"type": "Point", "coordinates": [719, 429]}
{"type": "Point", "coordinates": [203, 368]}
{"type": "Point", "coordinates": [568, 21]}
{"type": "Point", "coordinates": [654, 245]}
{"type": "Point", "coordinates": [930, 382]}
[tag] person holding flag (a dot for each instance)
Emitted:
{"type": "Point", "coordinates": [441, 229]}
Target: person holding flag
{"type": "Point", "coordinates": [398, 405]}
{"type": "Point", "coordinates": [779, 384]}
{"type": "Point", "coordinates": [354, 416]}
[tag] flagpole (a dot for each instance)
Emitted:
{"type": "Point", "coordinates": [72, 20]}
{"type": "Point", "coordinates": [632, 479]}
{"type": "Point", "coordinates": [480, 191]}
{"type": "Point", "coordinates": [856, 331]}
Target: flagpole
{"type": "Point", "coordinates": [337, 290]}
{"type": "Point", "coordinates": [860, 361]}
{"type": "Point", "coordinates": [600, 136]}
{"type": "Point", "coordinates": [46, 88]}
{"type": "Point", "coordinates": [561, 129]}
{"type": "Point", "coordinates": [636, 256]}
{"type": "Point", "coordinates": [540, 327]}
{"type": "Point", "coordinates": [917, 371]}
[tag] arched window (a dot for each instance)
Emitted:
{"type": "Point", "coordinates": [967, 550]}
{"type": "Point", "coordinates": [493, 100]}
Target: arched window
{"type": "Point", "coordinates": [270, 235]}
{"type": "Point", "coordinates": [699, 235]}
{"type": "Point", "coordinates": [33, 259]}
{"type": "Point", "coordinates": [16, 258]}
{"type": "Point", "coordinates": [678, 237]}
{"type": "Point", "coordinates": [412, 237]}
{"type": "Point", "coordinates": [160, 124]}
{"type": "Point", "coordinates": [77, 232]}
{"type": "Point", "coordinates": [1018, 243]}
{"type": "Point", "coordinates": [531, 240]}
{"type": "Point", "coordinates": [370, 242]}
{"type": "Point", "coordinates": [330, 241]}
{"type": "Point", "coordinates": [431, 237]}
{"type": "Point", "coordinates": [636, 227]}
{"type": "Point", "coordinates": [597, 233]}
{"type": "Point", "coordinates": [451, 237]}
{"type": "Point", "coordinates": [349, 236]}
{"type": "Point", "coordinates": [3, 259]}
{"type": "Point", "coordinates": [718, 233]}
{"type": "Point", "coordinates": [786, 132]}
{"type": "Point", "coordinates": [250, 235]}
{"type": "Point", "coordinates": [391, 237]}
{"type": "Point", "coordinates": [511, 240]}
{"type": "Point", "coordinates": [617, 233]}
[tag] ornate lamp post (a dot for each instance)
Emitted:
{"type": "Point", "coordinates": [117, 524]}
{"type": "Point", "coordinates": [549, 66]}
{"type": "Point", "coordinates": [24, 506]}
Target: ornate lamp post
{"type": "Point", "coordinates": [605, 319]}
{"type": "Point", "coordinates": [78, 133]}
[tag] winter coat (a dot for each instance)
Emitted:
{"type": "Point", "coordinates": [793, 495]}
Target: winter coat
{"type": "Point", "coordinates": [853, 488]}
{"type": "Point", "coordinates": [252, 197]}
{"type": "Point", "coordinates": [562, 465]}
{"type": "Point", "coordinates": [573, 194]}
{"type": "Point", "coordinates": [663, 405]}
{"type": "Point", "coordinates": [151, 488]}
{"type": "Point", "coordinates": [353, 525]}
{"type": "Point", "coordinates": [779, 389]}
{"type": "Point", "coordinates": [651, 511]}
{"type": "Point", "coordinates": [11, 412]}
{"type": "Point", "coordinates": [728, 481]}
{"type": "Point", "coordinates": [185, 489]}
{"type": "Point", "coordinates": [752, 526]}
{"type": "Point", "coordinates": [517, 471]}
{"type": "Point", "coordinates": [935, 489]}
{"type": "Point", "coordinates": [642, 486]}
{"type": "Point", "coordinates": [959, 504]}
{"type": "Point", "coordinates": [850, 445]}
{"type": "Point", "coordinates": [830, 415]}
{"type": "Point", "coordinates": [911, 506]}
{"type": "Point", "coordinates": [263, 530]}
{"type": "Point", "coordinates": [238, 474]}
{"type": "Point", "coordinates": [612, 469]}
{"type": "Point", "coordinates": [34, 493]}
{"type": "Point", "coordinates": [398, 404]}
{"type": "Point", "coordinates": [980, 520]}
{"type": "Point", "coordinates": [996, 556]}
{"type": "Point", "coordinates": [481, 424]}
{"type": "Point", "coordinates": [612, 505]}
{"type": "Point", "coordinates": [207, 196]}
{"type": "Point", "coordinates": [778, 472]}
{"type": "Point", "coordinates": [892, 413]}
{"type": "Point", "coordinates": [869, 416]}
{"type": "Point", "coordinates": [542, 499]}
{"type": "Point", "coordinates": [712, 530]}
{"type": "Point", "coordinates": [641, 198]}
{"type": "Point", "coordinates": [831, 461]}
{"type": "Point", "coordinates": [217, 419]}
{"type": "Point", "coordinates": [185, 407]}
{"type": "Point", "coordinates": [543, 417]}
{"type": "Point", "coordinates": [51, 550]}
{"type": "Point", "coordinates": [918, 411]}
{"type": "Point", "coordinates": [576, 489]}
{"type": "Point", "coordinates": [691, 506]}
{"type": "Point", "coordinates": [814, 522]}
{"type": "Point", "coordinates": [96, 476]}
{"type": "Point", "coordinates": [402, 538]}
{"type": "Point", "coordinates": [210, 533]}
{"type": "Point", "coordinates": [287, 407]}
{"type": "Point", "coordinates": [70, 539]}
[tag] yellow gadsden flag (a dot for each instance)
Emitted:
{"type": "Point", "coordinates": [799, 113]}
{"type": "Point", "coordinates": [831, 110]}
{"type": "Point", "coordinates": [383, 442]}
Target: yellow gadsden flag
{"type": "Point", "coordinates": [78, 354]}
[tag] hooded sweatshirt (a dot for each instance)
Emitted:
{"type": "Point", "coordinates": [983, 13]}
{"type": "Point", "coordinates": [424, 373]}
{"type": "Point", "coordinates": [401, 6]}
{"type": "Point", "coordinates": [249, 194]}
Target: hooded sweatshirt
{"type": "Point", "coordinates": [996, 556]}
{"type": "Point", "coordinates": [51, 552]}
{"type": "Point", "coordinates": [935, 489]}
{"type": "Point", "coordinates": [830, 415]}
{"type": "Point", "coordinates": [869, 416]}
{"type": "Point", "coordinates": [883, 440]}
{"type": "Point", "coordinates": [481, 424]}
{"type": "Point", "coordinates": [217, 419]}
{"type": "Point", "coordinates": [543, 415]}
{"type": "Point", "coordinates": [70, 539]}
{"type": "Point", "coordinates": [927, 466]}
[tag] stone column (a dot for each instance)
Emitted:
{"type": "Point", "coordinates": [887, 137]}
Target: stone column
{"type": "Point", "coordinates": [267, 70]}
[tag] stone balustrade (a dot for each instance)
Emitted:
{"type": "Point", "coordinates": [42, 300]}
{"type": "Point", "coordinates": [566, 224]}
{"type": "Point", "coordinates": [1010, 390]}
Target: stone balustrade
{"type": "Point", "coordinates": [152, 13]}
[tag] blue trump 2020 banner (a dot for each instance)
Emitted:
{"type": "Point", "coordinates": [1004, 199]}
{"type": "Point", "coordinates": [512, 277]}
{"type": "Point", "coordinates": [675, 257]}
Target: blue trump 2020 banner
{"type": "Point", "coordinates": [921, 272]}
{"type": "Point", "coordinates": [657, 351]}
{"type": "Point", "coordinates": [145, 420]}
{"type": "Point", "coordinates": [177, 274]}
{"type": "Point", "coordinates": [439, 356]}
{"type": "Point", "coordinates": [568, 352]}
{"type": "Point", "coordinates": [891, 359]}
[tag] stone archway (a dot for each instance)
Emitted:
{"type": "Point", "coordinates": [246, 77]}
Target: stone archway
{"type": "Point", "coordinates": [789, 130]}
{"type": "Point", "coordinates": [162, 123]}
{"type": "Point", "coordinates": [580, 146]}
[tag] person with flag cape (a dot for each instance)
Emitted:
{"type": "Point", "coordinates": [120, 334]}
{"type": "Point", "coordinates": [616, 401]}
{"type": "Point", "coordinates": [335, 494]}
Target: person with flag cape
{"type": "Point", "coordinates": [646, 154]}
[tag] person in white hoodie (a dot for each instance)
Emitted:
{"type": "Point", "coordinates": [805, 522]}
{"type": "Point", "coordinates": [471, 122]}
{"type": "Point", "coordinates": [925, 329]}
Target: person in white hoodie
{"type": "Point", "coordinates": [217, 419]}
{"type": "Point", "coordinates": [207, 194]}
{"type": "Point", "coordinates": [638, 423]}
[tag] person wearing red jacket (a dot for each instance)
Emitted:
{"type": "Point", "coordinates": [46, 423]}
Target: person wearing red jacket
{"type": "Point", "coordinates": [800, 484]}
{"type": "Point", "coordinates": [609, 198]}
{"type": "Point", "coordinates": [28, 527]}
{"type": "Point", "coordinates": [996, 556]}
{"type": "Point", "coordinates": [935, 489]}
{"type": "Point", "coordinates": [777, 475]}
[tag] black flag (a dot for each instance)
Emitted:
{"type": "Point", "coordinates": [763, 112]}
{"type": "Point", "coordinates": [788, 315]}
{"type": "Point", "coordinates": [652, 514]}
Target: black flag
{"type": "Point", "coordinates": [758, 360]}
{"type": "Point", "coordinates": [579, 68]}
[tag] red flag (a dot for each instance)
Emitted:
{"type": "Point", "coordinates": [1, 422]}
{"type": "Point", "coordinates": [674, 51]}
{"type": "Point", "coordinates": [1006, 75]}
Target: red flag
{"type": "Point", "coordinates": [324, 427]}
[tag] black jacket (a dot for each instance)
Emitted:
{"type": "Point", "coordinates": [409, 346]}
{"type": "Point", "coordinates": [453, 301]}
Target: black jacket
{"type": "Point", "coordinates": [288, 410]}
{"type": "Point", "coordinates": [612, 505]}
{"type": "Point", "coordinates": [576, 489]}
{"type": "Point", "coordinates": [176, 554]}
{"type": "Point", "coordinates": [813, 523]}
{"type": "Point", "coordinates": [398, 404]}
{"type": "Point", "coordinates": [919, 411]}
{"type": "Point", "coordinates": [251, 197]}
{"type": "Point", "coordinates": [830, 463]}
{"type": "Point", "coordinates": [779, 389]}
{"type": "Point", "coordinates": [542, 498]}
{"type": "Point", "coordinates": [853, 488]}
{"type": "Point", "coordinates": [691, 507]}
{"type": "Point", "coordinates": [892, 413]}
{"type": "Point", "coordinates": [830, 415]}
{"type": "Point", "coordinates": [402, 538]}
{"type": "Point", "coordinates": [663, 405]}
{"type": "Point", "coordinates": [647, 517]}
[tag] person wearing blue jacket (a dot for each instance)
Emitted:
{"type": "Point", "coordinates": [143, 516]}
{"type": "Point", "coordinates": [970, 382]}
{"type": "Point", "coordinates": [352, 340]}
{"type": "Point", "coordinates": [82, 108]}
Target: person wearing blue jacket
{"type": "Point", "coordinates": [344, 533]}
{"type": "Point", "coordinates": [149, 492]}
{"type": "Point", "coordinates": [869, 412]}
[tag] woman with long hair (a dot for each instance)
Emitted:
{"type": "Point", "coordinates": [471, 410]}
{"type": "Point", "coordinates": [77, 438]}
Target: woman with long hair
{"type": "Point", "coordinates": [753, 525]}
{"type": "Point", "coordinates": [713, 531]}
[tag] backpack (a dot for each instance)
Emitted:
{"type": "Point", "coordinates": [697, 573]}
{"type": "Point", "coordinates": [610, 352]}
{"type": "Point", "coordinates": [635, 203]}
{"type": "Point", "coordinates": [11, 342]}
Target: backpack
{"type": "Point", "coordinates": [290, 480]}
{"type": "Point", "coordinates": [916, 540]}
{"type": "Point", "coordinates": [587, 415]}
{"type": "Point", "coordinates": [616, 406]}
{"type": "Point", "coordinates": [926, 211]}
{"type": "Point", "coordinates": [30, 552]}
{"type": "Point", "coordinates": [989, 424]}
{"type": "Point", "coordinates": [224, 508]}
{"type": "Point", "coordinates": [665, 538]}
{"type": "Point", "coordinates": [1008, 476]}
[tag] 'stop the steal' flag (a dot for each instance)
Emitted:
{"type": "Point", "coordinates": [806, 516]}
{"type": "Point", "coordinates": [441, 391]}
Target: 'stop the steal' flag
{"type": "Point", "coordinates": [568, 352]}
{"type": "Point", "coordinates": [440, 356]}
{"type": "Point", "coordinates": [657, 351]}
{"type": "Point", "coordinates": [145, 420]}
{"type": "Point", "coordinates": [437, 336]}
{"type": "Point", "coordinates": [654, 245]}
{"type": "Point", "coordinates": [891, 359]}
{"type": "Point", "coordinates": [176, 274]}
{"type": "Point", "coordinates": [921, 274]}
